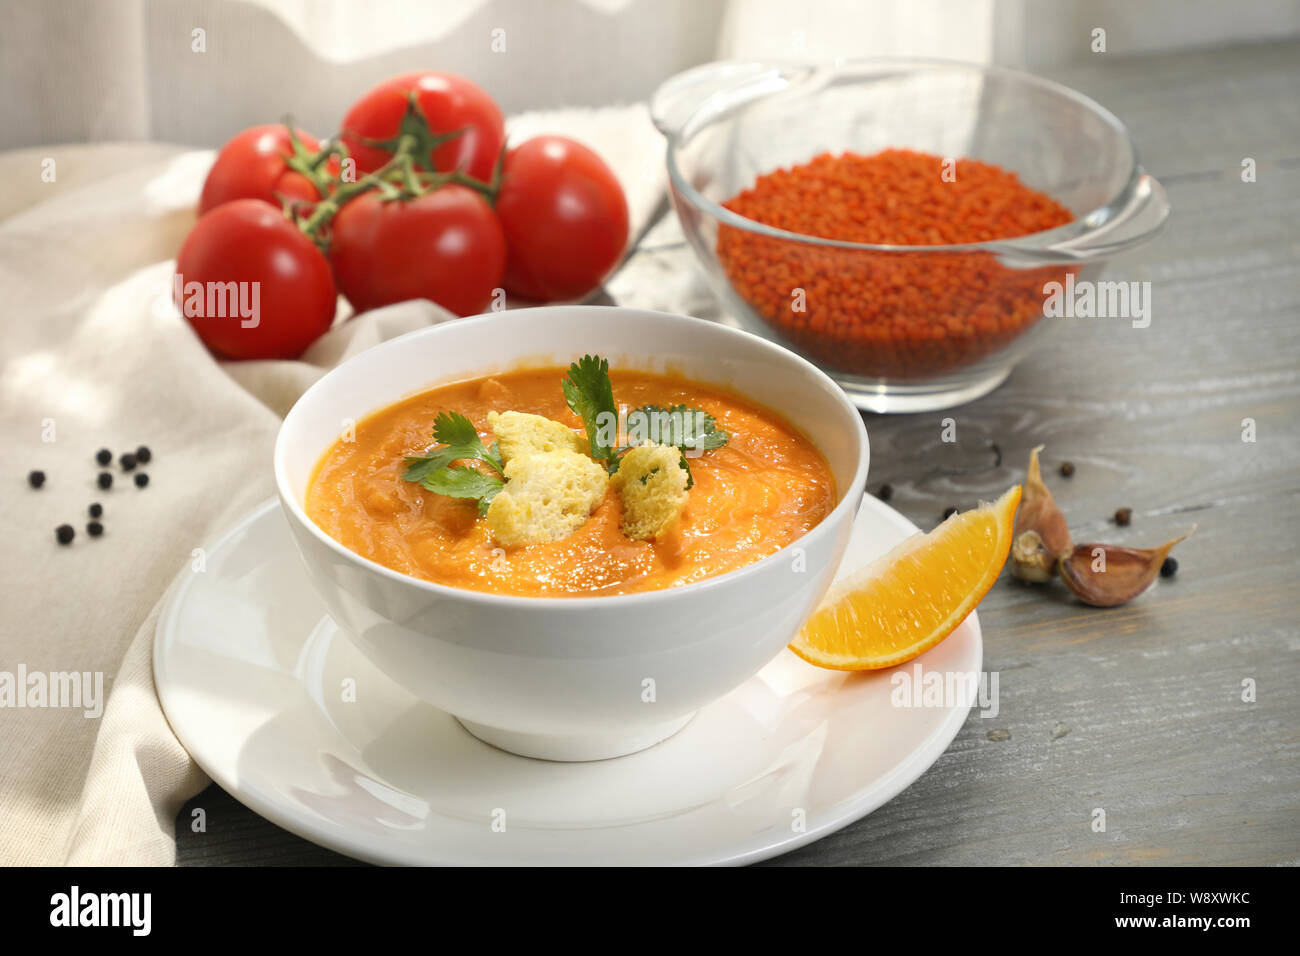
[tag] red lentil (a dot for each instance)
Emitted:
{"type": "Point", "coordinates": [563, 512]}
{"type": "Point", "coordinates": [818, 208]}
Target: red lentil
{"type": "Point", "coordinates": [890, 314]}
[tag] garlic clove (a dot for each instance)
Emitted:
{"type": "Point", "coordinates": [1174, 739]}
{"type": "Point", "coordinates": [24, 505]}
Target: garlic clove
{"type": "Point", "coordinates": [1030, 561]}
{"type": "Point", "coordinates": [1040, 536]}
{"type": "Point", "coordinates": [1107, 575]}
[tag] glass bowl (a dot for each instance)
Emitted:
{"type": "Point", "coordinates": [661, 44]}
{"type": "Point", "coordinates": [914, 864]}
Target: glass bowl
{"type": "Point", "coordinates": [900, 328]}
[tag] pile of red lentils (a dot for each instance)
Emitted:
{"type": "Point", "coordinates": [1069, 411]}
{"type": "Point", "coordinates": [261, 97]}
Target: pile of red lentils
{"type": "Point", "coordinates": [888, 314]}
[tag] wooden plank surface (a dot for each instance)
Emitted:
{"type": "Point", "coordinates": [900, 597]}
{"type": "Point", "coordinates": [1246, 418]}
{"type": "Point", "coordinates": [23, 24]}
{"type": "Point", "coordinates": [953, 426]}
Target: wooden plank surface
{"type": "Point", "coordinates": [1136, 710]}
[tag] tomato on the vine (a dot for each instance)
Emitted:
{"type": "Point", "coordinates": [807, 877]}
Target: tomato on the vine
{"type": "Point", "coordinates": [253, 166]}
{"type": "Point", "coordinates": [254, 283]}
{"type": "Point", "coordinates": [564, 216]}
{"type": "Point", "coordinates": [251, 284]}
{"type": "Point", "coordinates": [444, 245]}
{"type": "Point", "coordinates": [451, 105]}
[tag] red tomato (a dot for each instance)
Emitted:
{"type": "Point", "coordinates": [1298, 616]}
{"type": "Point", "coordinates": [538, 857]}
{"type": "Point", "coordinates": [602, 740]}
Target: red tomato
{"type": "Point", "coordinates": [445, 246]}
{"type": "Point", "coordinates": [564, 216]}
{"type": "Point", "coordinates": [252, 285]}
{"type": "Point", "coordinates": [449, 103]}
{"type": "Point", "coordinates": [252, 166]}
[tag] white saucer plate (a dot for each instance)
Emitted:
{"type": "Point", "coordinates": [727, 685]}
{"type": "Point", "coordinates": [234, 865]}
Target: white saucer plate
{"type": "Point", "coordinates": [279, 708]}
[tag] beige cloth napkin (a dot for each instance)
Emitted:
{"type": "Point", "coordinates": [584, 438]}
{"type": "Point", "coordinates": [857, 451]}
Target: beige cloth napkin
{"type": "Point", "coordinates": [94, 356]}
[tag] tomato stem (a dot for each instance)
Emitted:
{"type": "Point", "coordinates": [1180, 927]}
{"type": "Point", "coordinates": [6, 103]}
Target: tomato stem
{"type": "Point", "coordinates": [307, 163]}
{"type": "Point", "coordinates": [328, 208]}
{"type": "Point", "coordinates": [402, 177]}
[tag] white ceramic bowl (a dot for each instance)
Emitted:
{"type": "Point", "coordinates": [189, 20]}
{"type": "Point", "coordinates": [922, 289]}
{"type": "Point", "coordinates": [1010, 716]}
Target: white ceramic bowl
{"type": "Point", "coordinates": [573, 678]}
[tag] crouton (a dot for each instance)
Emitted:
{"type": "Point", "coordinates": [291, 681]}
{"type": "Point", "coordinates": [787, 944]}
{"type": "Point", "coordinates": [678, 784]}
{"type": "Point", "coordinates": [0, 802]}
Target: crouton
{"type": "Point", "coordinates": [548, 495]}
{"type": "Point", "coordinates": [652, 483]}
{"type": "Point", "coordinates": [519, 434]}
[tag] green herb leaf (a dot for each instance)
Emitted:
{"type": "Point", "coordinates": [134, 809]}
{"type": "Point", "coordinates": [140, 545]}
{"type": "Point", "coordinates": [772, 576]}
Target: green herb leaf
{"type": "Point", "coordinates": [690, 478]}
{"type": "Point", "coordinates": [459, 440]}
{"type": "Point", "coordinates": [462, 481]}
{"type": "Point", "coordinates": [688, 428]}
{"type": "Point", "coordinates": [589, 393]}
{"type": "Point", "coordinates": [452, 428]}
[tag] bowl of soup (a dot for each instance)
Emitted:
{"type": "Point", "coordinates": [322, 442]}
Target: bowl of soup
{"type": "Point", "coordinates": [610, 635]}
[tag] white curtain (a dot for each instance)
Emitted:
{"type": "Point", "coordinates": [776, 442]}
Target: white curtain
{"type": "Point", "coordinates": [103, 70]}
{"type": "Point", "coordinates": [97, 70]}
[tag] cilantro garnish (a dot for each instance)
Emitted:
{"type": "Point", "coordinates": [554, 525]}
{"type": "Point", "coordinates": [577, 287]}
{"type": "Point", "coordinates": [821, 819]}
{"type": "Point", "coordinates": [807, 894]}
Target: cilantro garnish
{"type": "Point", "coordinates": [688, 428]}
{"type": "Point", "coordinates": [459, 440]}
{"type": "Point", "coordinates": [589, 393]}
{"type": "Point", "coordinates": [462, 481]}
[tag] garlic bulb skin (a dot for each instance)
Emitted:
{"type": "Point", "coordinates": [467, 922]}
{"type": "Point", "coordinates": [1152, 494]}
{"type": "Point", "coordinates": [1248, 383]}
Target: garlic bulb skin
{"type": "Point", "coordinates": [1030, 561]}
{"type": "Point", "coordinates": [1107, 575]}
{"type": "Point", "coordinates": [1040, 537]}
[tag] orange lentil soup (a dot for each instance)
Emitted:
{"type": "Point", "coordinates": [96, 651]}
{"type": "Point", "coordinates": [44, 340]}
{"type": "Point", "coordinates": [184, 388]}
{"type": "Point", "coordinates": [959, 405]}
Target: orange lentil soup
{"type": "Point", "coordinates": [763, 489]}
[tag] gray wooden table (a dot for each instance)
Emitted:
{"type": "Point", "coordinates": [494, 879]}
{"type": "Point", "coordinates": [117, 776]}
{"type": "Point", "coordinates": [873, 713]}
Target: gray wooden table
{"type": "Point", "coordinates": [1136, 710]}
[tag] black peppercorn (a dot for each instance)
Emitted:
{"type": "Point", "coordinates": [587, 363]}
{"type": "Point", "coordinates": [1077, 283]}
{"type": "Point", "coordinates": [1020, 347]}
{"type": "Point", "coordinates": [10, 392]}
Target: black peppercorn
{"type": "Point", "coordinates": [127, 461]}
{"type": "Point", "coordinates": [1169, 568]}
{"type": "Point", "coordinates": [886, 492]}
{"type": "Point", "coordinates": [948, 513]}
{"type": "Point", "coordinates": [105, 480]}
{"type": "Point", "coordinates": [143, 454]}
{"type": "Point", "coordinates": [95, 529]}
{"type": "Point", "coordinates": [64, 533]}
{"type": "Point", "coordinates": [36, 478]}
{"type": "Point", "coordinates": [1123, 516]}
{"type": "Point", "coordinates": [141, 480]}
{"type": "Point", "coordinates": [1067, 469]}
{"type": "Point", "coordinates": [103, 456]}
{"type": "Point", "coordinates": [96, 510]}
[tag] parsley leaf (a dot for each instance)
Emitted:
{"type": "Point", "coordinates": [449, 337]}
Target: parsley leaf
{"type": "Point", "coordinates": [459, 440]}
{"type": "Point", "coordinates": [589, 393]}
{"type": "Point", "coordinates": [686, 466]}
{"type": "Point", "coordinates": [688, 428]}
{"type": "Point", "coordinates": [462, 481]}
{"type": "Point", "coordinates": [452, 428]}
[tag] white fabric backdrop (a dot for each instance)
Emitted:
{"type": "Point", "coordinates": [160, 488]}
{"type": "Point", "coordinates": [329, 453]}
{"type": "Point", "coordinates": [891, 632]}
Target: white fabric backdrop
{"type": "Point", "coordinates": [100, 70]}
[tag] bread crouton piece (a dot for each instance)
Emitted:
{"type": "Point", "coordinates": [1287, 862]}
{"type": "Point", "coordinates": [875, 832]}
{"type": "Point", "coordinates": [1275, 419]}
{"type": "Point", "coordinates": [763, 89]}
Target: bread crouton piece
{"type": "Point", "coordinates": [652, 483]}
{"type": "Point", "coordinates": [519, 434]}
{"type": "Point", "coordinates": [548, 495]}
